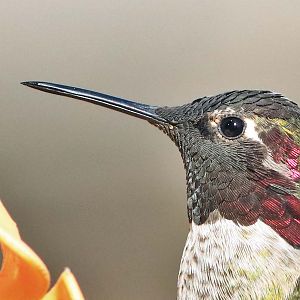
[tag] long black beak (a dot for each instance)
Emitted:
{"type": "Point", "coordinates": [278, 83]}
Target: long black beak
{"type": "Point", "coordinates": [136, 109]}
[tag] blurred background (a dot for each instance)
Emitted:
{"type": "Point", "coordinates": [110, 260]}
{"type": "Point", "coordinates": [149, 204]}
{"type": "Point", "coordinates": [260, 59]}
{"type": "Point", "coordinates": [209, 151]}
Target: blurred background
{"type": "Point", "coordinates": [99, 191]}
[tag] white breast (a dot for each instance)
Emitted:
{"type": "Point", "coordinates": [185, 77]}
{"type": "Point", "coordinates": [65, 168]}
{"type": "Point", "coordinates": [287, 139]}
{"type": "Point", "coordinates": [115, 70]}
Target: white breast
{"type": "Point", "coordinates": [224, 261]}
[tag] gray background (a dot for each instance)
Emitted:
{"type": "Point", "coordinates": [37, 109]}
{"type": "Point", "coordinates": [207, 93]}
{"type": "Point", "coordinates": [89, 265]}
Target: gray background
{"type": "Point", "coordinates": [99, 191]}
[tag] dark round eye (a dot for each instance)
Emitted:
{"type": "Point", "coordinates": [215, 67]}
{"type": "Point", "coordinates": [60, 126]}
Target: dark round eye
{"type": "Point", "coordinates": [232, 127]}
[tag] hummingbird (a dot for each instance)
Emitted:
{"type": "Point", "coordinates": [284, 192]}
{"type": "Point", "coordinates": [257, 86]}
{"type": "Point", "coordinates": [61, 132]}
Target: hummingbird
{"type": "Point", "coordinates": [241, 154]}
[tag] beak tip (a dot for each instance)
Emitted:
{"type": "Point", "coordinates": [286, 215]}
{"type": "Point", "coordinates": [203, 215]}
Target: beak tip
{"type": "Point", "coordinates": [30, 83]}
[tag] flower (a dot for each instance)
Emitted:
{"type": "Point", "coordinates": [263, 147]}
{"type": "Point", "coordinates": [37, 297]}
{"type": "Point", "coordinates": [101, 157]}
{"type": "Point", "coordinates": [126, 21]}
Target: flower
{"type": "Point", "coordinates": [23, 275]}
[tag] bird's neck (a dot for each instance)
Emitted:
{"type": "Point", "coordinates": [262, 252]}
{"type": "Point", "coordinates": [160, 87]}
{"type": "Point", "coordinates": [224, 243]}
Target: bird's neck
{"type": "Point", "coordinates": [222, 260]}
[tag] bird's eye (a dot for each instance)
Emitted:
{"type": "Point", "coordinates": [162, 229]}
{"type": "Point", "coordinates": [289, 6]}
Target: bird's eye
{"type": "Point", "coordinates": [232, 127]}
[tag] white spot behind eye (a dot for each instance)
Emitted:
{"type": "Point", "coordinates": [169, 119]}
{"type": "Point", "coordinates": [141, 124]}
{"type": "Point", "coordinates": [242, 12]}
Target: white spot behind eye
{"type": "Point", "coordinates": [250, 131]}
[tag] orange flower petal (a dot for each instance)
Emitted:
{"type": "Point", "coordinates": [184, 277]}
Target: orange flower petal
{"type": "Point", "coordinates": [66, 288]}
{"type": "Point", "coordinates": [23, 275]}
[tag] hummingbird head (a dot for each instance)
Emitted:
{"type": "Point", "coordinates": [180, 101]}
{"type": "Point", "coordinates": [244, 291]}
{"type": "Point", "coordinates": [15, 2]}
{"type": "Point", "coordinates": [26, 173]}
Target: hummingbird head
{"type": "Point", "coordinates": [240, 150]}
{"type": "Point", "coordinates": [241, 154]}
